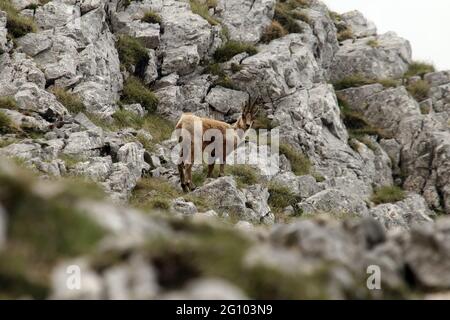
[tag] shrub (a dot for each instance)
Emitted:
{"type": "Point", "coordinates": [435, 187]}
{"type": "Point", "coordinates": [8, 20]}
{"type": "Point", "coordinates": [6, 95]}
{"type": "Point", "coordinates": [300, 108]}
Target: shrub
{"type": "Point", "coordinates": [273, 31]}
{"type": "Point", "coordinates": [373, 43]}
{"type": "Point", "coordinates": [419, 90]}
{"type": "Point", "coordinates": [202, 9]}
{"type": "Point", "coordinates": [134, 91]}
{"type": "Point", "coordinates": [419, 68]}
{"type": "Point", "coordinates": [8, 103]}
{"type": "Point", "coordinates": [132, 54]}
{"type": "Point", "coordinates": [299, 162]}
{"type": "Point", "coordinates": [69, 100]}
{"type": "Point", "coordinates": [151, 17]}
{"type": "Point", "coordinates": [232, 48]}
{"type": "Point", "coordinates": [16, 24]}
{"type": "Point", "coordinates": [388, 194]}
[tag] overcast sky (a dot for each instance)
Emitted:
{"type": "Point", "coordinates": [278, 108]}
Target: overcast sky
{"type": "Point", "coordinates": [426, 24]}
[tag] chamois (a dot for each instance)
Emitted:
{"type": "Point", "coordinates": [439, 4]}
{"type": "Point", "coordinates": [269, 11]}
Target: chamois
{"type": "Point", "coordinates": [238, 130]}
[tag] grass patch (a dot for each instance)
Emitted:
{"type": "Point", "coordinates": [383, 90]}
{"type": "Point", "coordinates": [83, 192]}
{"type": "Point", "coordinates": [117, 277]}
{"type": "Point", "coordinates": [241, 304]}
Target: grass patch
{"type": "Point", "coordinates": [223, 79]}
{"type": "Point", "coordinates": [154, 193]}
{"type": "Point", "coordinates": [373, 43]}
{"type": "Point", "coordinates": [287, 14]}
{"type": "Point", "coordinates": [202, 9]}
{"type": "Point", "coordinates": [134, 91]}
{"type": "Point", "coordinates": [388, 194]}
{"type": "Point", "coordinates": [43, 228]}
{"type": "Point", "coordinates": [300, 164]}
{"type": "Point", "coordinates": [232, 48]}
{"type": "Point", "coordinates": [6, 125]}
{"type": "Point", "coordinates": [282, 197]}
{"type": "Point", "coordinates": [419, 90]}
{"type": "Point", "coordinates": [8, 103]}
{"type": "Point", "coordinates": [71, 101]}
{"type": "Point", "coordinates": [132, 54]}
{"type": "Point", "coordinates": [358, 80]}
{"type": "Point", "coordinates": [419, 68]}
{"type": "Point", "coordinates": [70, 160]}
{"type": "Point", "coordinates": [151, 17]}
{"type": "Point", "coordinates": [16, 24]}
{"type": "Point", "coordinates": [245, 175]}
{"type": "Point", "coordinates": [344, 33]}
{"type": "Point", "coordinates": [357, 124]}
{"type": "Point", "coordinates": [273, 31]}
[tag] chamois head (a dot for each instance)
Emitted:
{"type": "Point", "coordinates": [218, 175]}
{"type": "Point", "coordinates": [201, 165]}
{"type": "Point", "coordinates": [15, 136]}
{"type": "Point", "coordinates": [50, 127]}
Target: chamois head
{"type": "Point", "coordinates": [248, 116]}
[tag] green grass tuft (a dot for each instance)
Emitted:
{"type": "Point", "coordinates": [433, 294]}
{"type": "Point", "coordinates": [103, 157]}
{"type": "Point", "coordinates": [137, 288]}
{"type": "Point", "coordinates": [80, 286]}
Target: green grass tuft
{"type": "Point", "coordinates": [388, 194]}
{"type": "Point", "coordinates": [419, 68]}
{"type": "Point", "coordinates": [358, 80]}
{"type": "Point", "coordinates": [373, 43]}
{"type": "Point", "coordinates": [273, 31]}
{"type": "Point", "coordinates": [151, 17]}
{"type": "Point", "coordinates": [132, 54]}
{"type": "Point", "coordinates": [232, 48]}
{"type": "Point", "coordinates": [419, 90]}
{"type": "Point", "coordinates": [300, 164]}
{"type": "Point", "coordinates": [134, 91]}
{"type": "Point", "coordinates": [16, 24]}
{"type": "Point", "coordinates": [245, 175]}
{"type": "Point", "coordinates": [6, 125]}
{"type": "Point", "coordinates": [281, 197]}
{"type": "Point", "coordinates": [8, 103]}
{"type": "Point", "coordinates": [71, 101]}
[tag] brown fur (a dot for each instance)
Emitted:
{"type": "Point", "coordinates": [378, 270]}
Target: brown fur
{"type": "Point", "coordinates": [187, 121]}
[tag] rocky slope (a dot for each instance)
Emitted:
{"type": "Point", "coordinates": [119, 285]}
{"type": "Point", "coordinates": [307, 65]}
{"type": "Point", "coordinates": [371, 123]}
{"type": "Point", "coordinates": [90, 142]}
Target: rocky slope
{"type": "Point", "coordinates": [89, 91]}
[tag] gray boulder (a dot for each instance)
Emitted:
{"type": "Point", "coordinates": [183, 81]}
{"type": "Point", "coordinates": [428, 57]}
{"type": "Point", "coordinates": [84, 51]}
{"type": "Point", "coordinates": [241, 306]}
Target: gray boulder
{"type": "Point", "coordinates": [224, 195]}
{"type": "Point", "coordinates": [389, 59]}
{"type": "Point", "coordinates": [85, 143]}
{"type": "Point", "coordinates": [403, 214]}
{"type": "Point", "coordinates": [32, 98]}
{"type": "Point", "coordinates": [227, 100]}
{"type": "Point", "coordinates": [246, 20]}
{"type": "Point", "coordinates": [16, 70]}
{"type": "Point", "coordinates": [334, 202]}
{"type": "Point", "coordinates": [360, 26]}
{"type": "Point", "coordinates": [179, 205]}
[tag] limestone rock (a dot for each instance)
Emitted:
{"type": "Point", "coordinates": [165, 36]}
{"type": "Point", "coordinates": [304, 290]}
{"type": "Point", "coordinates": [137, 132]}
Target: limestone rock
{"type": "Point", "coordinates": [246, 20]}
{"type": "Point", "coordinates": [360, 26]}
{"type": "Point", "coordinates": [389, 59]}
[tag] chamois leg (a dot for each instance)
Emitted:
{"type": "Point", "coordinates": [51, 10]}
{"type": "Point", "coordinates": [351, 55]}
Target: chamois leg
{"type": "Point", "coordinates": [181, 171]}
{"type": "Point", "coordinates": [222, 170]}
{"type": "Point", "coordinates": [189, 176]}
{"type": "Point", "coordinates": [210, 170]}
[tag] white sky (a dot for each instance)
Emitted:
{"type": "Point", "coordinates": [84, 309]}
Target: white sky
{"type": "Point", "coordinates": [426, 24]}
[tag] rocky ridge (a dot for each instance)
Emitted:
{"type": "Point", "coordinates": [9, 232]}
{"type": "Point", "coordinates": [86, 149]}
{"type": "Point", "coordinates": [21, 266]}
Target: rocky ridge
{"type": "Point", "coordinates": [92, 90]}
